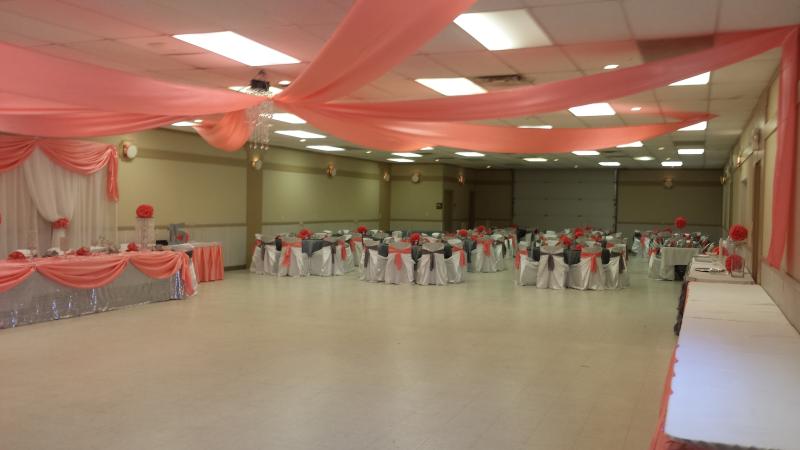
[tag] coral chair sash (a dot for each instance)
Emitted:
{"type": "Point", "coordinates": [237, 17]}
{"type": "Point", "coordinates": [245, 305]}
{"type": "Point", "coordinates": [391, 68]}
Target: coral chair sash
{"type": "Point", "coordinates": [593, 257]}
{"type": "Point", "coordinates": [287, 255]}
{"type": "Point", "coordinates": [462, 258]}
{"type": "Point", "coordinates": [398, 255]}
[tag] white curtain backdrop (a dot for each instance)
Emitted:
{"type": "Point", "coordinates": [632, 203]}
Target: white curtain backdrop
{"type": "Point", "coordinates": [40, 192]}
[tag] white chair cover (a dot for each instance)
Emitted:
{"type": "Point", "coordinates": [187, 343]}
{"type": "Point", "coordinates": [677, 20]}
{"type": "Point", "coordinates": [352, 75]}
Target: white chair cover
{"type": "Point", "coordinates": [399, 264]}
{"type": "Point", "coordinates": [342, 258]}
{"type": "Point", "coordinates": [373, 263]}
{"type": "Point", "coordinates": [457, 262]}
{"type": "Point", "coordinates": [397, 235]}
{"type": "Point", "coordinates": [552, 268]}
{"type": "Point", "coordinates": [484, 258]}
{"type": "Point", "coordinates": [528, 269]}
{"type": "Point", "coordinates": [271, 259]}
{"type": "Point", "coordinates": [292, 261]}
{"type": "Point", "coordinates": [654, 266]}
{"type": "Point", "coordinates": [435, 272]}
{"type": "Point", "coordinates": [617, 276]}
{"type": "Point", "coordinates": [257, 261]}
{"type": "Point", "coordinates": [498, 248]}
{"type": "Point", "coordinates": [321, 261]}
{"type": "Point", "coordinates": [357, 249]}
{"type": "Point", "coordinates": [588, 273]}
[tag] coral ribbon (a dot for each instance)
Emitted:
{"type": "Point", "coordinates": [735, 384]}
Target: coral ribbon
{"type": "Point", "coordinates": [462, 259]}
{"type": "Point", "coordinates": [343, 248]}
{"type": "Point", "coordinates": [287, 255]}
{"type": "Point", "coordinates": [487, 246]}
{"type": "Point", "coordinates": [593, 257]}
{"type": "Point", "coordinates": [398, 255]}
{"type": "Point", "coordinates": [518, 259]}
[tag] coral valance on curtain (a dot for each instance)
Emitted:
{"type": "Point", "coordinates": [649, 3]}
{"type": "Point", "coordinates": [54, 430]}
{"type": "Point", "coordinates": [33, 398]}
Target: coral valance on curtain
{"type": "Point", "coordinates": [81, 157]}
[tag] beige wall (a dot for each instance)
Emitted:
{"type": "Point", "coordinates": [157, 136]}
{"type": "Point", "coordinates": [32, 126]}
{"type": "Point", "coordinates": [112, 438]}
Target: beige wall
{"type": "Point", "coordinates": [752, 207]}
{"type": "Point", "coordinates": [413, 205]}
{"type": "Point", "coordinates": [461, 193]}
{"type": "Point", "coordinates": [494, 194]}
{"type": "Point", "coordinates": [643, 202]}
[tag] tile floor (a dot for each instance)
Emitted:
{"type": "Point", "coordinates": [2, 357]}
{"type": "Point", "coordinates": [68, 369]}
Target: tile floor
{"type": "Point", "coordinates": [256, 362]}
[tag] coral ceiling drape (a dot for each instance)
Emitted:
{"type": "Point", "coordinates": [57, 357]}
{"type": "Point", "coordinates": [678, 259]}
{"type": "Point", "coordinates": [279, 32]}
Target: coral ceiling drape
{"type": "Point", "coordinates": [48, 96]}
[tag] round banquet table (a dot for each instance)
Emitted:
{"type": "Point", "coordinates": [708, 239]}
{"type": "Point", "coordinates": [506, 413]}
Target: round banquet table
{"type": "Point", "coordinates": [209, 264]}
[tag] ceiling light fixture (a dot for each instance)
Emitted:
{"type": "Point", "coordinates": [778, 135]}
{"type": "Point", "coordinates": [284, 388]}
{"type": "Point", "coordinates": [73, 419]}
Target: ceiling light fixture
{"type": "Point", "coordinates": [636, 108]}
{"type": "Point", "coordinates": [407, 155]}
{"type": "Point", "coordinates": [184, 123]}
{"type": "Point", "coordinates": [301, 134]}
{"type": "Point", "coordinates": [426, 148]}
{"type": "Point", "coordinates": [368, 152]}
{"type": "Point", "coordinates": [535, 159]}
{"type": "Point", "coordinates": [238, 48]}
{"type": "Point", "coordinates": [543, 127]}
{"type": "Point", "coordinates": [644, 158]}
{"type": "Point", "coordinates": [609, 163]}
{"type": "Point", "coordinates": [288, 118]}
{"type": "Point", "coordinates": [400, 160]}
{"type": "Point", "coordinates": [671, 163]}
{"type": "Point", "coordinates": [285, 82]}
{"type": "Point", "coordinates": [691, 151]}
{"type": "Point", "coordinates": [696, 80]}
{"type": "Point", "coordinates": [699, 126]}
{"type": "Point", "coordinates": [610, 66]}
{"type": "Point", "coordinates": [325, 148]}
{"type": "Point", "coordinates": [470, 154]}
{"type": "Point", "coordinates": [451, 86]}
{"type": "Point", "coordinates": [631, 144]}
{"type": "Point", "coordinates": [503, 30]}
{"type": "Point", "coordinates": [593, 109]}
{"type": "Point", "coordinates": [586, 153]}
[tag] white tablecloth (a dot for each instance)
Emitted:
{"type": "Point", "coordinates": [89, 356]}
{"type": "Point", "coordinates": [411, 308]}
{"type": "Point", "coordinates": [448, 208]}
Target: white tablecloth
{"type": "Point", "coordinates": [712, 262]}
{"type": "Point", "coordinates": [737, 375]}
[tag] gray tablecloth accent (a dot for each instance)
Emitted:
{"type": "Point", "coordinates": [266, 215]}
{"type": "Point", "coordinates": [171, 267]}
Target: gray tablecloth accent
{"type": "Point", "coordinates": [416, 251]}
{"type": "Point", "coordinates": [309, 246]}
{"type": "Point", "coordinates": [571, 257]}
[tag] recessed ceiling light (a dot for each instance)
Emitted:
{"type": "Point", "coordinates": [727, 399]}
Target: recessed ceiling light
{"type": "Point", "coordinates": [661, 148]}
{"type": "Point", "coordinates": [436, 160]}
{"type": "Point", "coordinates": [470, 154]}
{"type": "Point", "coordinates": [610, 66]}
{"type": "Point", "coordinates": [644, 158]}
{"type": "Point", "coordinates": [671, 163]}
{"type": "Point", "coordinates": [555, 160]}
{"type": "Point", "coordinates": [285, 82]}
{"type": "Point", "coordinates": [238, 48]}
{"type": "Point", "coordinates": [451, 86]}
{"type": "Point", "coordinates": [288, 118]}
{"type": "Point", "coordinates": [636, 108]}
{"type": "Point", "coordinates": [301, 134]}
{"type": "Point", "coordinates": [699, 126]}
{"type": "Point", "coordinates": [325, 148]}
{"type": "Point", "coordinates": [400, 160]}
{"type": "Point", "coordinates": [302, 140]}
{"type": "Point", "coordinates": [246, 89]}
{"type": "Point", "coordinates": [631, 144]}
{"type": "Point", "coordinates": [426, 148]}
{"type": "Point", "coordinates": [535, 159]}
{"type": "Point", "coordinates": [488, 167]}
{"type": "Point", "coordinates": [691, 151]}
{"type": "Point", "coordinates": [198, 120]}
{"type": "Point", "coordinates": [503, 30]}
{"type": "Point", "coordinates": [368, 152]}
{"type": "Point", "coordinates": [696, 80]}
{"type": "Point", "coordinates": [184, 123]}
{"type": "Point", "coordinates": [407, 155]}
{"type": "Point", "coordinates": [543, 127]}
{"type": "Point", "coordinates": [586, 152]}
{"type": "Point", "coordinates": [609, 163]}
{"type": "Point", "coordinates": [593, 109]}
{"type": "Point", "coordinates": [575, 166]}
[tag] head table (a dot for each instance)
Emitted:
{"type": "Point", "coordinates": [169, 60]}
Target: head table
{"type": "Point", "coordinates": [43, 289]}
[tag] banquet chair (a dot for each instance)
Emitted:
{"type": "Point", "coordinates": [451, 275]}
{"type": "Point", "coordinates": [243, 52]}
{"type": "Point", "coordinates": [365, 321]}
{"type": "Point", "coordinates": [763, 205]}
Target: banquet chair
{"type": "Point", "coordinates": [357, 250]}
{"type": "Point", "coordinates": [373, 263]}
{"type": "Point", "coordinates": [483, 256]}
{"type": "Point", "coordinates": [616, 271]}
{"type": "Point", "coordinates": [588, 273]}
{"type": "Point", "coordinates": [399, 264]}
{"type": "Point", "coordinates": [271, 258]}
{"type": "Point", "coordinates": [342, 258]}
{"type": "Point", "coordinates": [552, 268]}
{"type": "Point", "coordinates": [321, 261]}
{"type": "Point", "coordinates": [257, 261]}
{"type": "Point", "coordinates": [431, 267]}
{"type": "Point", "coordinates": [457, 262]}
{"type": "Point", "coordinates": [293, 262]}
{"type": "Point", "coordinates": [527, 268]}
{"type": "Point", "coordinates": [499, 248]}
{"type": "Point", "coordinates": [654, 265]}
{"type": "Point", "coordinates": [397, 235]}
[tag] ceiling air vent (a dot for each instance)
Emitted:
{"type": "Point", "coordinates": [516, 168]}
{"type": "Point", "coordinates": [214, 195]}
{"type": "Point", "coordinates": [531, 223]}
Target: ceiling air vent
{"type": "Point", "coordinates": [501, 81]}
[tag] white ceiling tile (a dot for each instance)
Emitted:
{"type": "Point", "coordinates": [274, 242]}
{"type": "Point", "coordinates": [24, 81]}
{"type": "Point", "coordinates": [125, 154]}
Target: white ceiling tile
{"type": "Point", "coordinates": [683, 92]}
{"type": "Point", "coordinates": [746, 71]}
{"type": "Point", "coordinates": [584, 22]}
{"type": "Point", "coordinates": [659, 19]}
{"type": "Point", "coordinates": [451, 39]}
{"type": "Point", "coordinates": [422, 66]}
{"type": "Point", "coordinates": [736, 90]}
{"type": "Point", "coordinates": [749, 14]}
{"type": "Point", "coordinates": [291, 40]}
{"type": "Point", "coordinates": [77, 55]}
{"type": "Point", "coordinates": [547, 77]}
{"type": "Point", "coordinates": [37, 29]}
{"type": "Point", "coordinates": [201, 77]}
{"type": "Point", "coordinates": [594, 56]}
{"type": "Point", "coordinates": [205, 60]}
{"type": "Point", "coordinates": [602, 121]}
{"type": "Point", "coordinates": [743, 106]}
{"type": "Point", "coordinates": [158, 17]}
{"type": "Point", "coordinates": [128, 55]}
{"type": "Point", "coordinates": [496, 5]}
{"type": "Point", "coordinates": [534, 60]}
{"type": "Point", "coordinates": [472, 64]}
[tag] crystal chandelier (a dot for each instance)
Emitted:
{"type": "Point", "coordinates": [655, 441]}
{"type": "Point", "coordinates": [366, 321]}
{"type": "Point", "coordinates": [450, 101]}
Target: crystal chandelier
{"type": "Point", "coordinates": [260, 115]}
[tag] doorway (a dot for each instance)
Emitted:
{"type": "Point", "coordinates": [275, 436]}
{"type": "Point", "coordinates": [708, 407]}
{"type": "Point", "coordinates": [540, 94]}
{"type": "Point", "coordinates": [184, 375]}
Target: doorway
{"type": "Point", "coordinates": [755, 257]}
{"type": "Point", "coordinates": [447, 211]}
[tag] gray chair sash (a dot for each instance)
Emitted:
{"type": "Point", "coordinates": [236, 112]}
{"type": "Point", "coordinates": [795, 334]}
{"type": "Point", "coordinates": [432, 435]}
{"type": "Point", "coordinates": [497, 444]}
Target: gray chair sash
{"type": "Point", "coordinates": [551, 263]}
{"type": "Point", "coordinates": [367, 248]}
{"type": "Point", "coordinates": [432, 258]}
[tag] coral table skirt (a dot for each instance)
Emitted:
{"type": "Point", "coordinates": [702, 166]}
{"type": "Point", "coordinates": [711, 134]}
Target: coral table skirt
{"type": "Point", "coordinates": [208, 262]}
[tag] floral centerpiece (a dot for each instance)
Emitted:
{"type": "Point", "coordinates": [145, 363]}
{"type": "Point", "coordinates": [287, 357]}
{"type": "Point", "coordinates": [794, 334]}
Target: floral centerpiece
{"type": "Point", "coordinates": [59, 236]}
{"type": "Point", "coordinates": [680, 222]}
{"type": "Point", "coordinates": [735, 262]}
{"type": "Point", "coordinates": [305, 233]}
{"type": "Point", "coordinates": [145, 226]}
{"type": "Point", "coordinates": [362, 229]}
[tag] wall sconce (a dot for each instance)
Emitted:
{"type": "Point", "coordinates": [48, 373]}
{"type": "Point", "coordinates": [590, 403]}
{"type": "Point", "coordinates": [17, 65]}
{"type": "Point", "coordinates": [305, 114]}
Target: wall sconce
{"type": "Point", "coordinates": [257, 163]}
{"type": "Point", "coordinates": [387, 177]}
{"type": "Point", "coordinates": [129, 150]}
{"type": "Point", "coordinates": [416, 178]}
{"type": "Point", "coordinates": [723, 179]}
{"type": "Point", "coordinates": [331, 170]}
{"type": "Point", "coordinates": [461, 179]}
{"type": "Point", "coordinates": [668, 183]}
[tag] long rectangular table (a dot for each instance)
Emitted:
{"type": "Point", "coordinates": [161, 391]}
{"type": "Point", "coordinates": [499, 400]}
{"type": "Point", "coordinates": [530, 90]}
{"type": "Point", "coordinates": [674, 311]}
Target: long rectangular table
{"type": "Point", "coordinates": [736, 373]}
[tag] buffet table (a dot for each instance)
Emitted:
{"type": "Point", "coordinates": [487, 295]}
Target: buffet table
{"type": "Point", "coordinates": [674, 256]}
{"type": "Point", "coordinates": [45, 289]}
{"type": "Point", "coordinates": [208, 262]}
{"type": "Point", "coordinates": [736, 380]}
{"type": "Point", "coordinates": [698, 270]}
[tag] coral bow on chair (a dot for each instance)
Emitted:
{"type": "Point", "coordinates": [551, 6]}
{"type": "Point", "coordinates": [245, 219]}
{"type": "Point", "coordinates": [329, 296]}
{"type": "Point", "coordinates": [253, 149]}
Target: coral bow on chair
{"type": "Point", "coordinates": [398, 255]}
{"type": "Point", "coordinates": [287, 257]}
{"type": "Point", "coordinates": [593, 256]}
{"type": "Point", "coordinates": [462, 258]}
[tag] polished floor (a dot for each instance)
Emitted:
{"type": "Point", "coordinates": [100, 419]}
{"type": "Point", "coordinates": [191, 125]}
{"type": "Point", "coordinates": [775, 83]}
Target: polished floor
{"type": "Point", "coordinates": [256, 362]}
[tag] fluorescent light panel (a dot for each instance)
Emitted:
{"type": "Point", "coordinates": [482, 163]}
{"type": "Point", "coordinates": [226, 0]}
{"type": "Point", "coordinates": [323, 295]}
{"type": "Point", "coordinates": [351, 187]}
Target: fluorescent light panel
{"type": "Point", "coordinates": [288, 118]}
{"type": "Point", "coordinates": [470, 154]}
{"type": "Point", "coordinates": [632, 144]}
{"type": "Point", "coordinates": [586, 152]}
{"type": "Point", "coordinates": [699, 126]}
{"type": "Point", "coordinates": [426, 148]}
{"type": "Point", "coordinates": [325, 148]}
{"type": "Point", "coordinates": [407, 155]}
{"type": "Point", "coordinates": [696, 80]}
{"type": "Point", "coordinates": [300, 134]}
{"type": "Point", "coordinates": [644, 158]}
{"type": "Point", "coordinates": [543, 127]}
{"type": "Point", "coordinates": [238, 48]}
{"type": "Point", "coordinates": [593, 109]}
{"type": "Point", "coordinates": [609, 163]}
{"type": "Point", "coordinates": [535, 159]}
{"type": "Point", "coordinates": [691, 151]}
{"type": "Point", "coordinates": [503, 30]}
{"type": "Point", "coordinates": [451, 86]}
{"type": "Point", "coordinates": [610, 66]}
{"type": "Point", "coordinates": [400, 160]}
{"type": "Point", "coordinates": [184, 123]}
{"type": "Point", "coordinates": [672, 163]}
